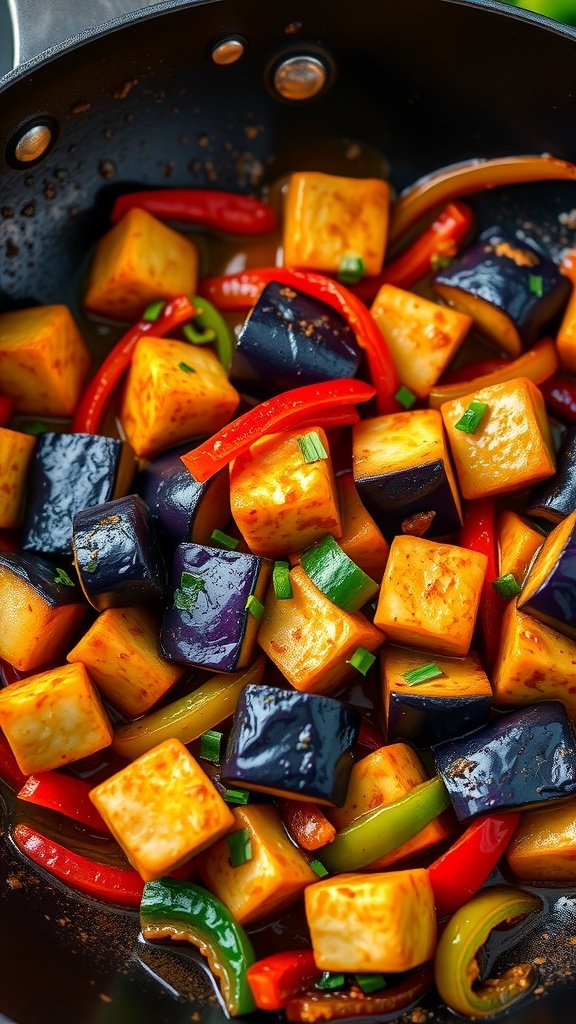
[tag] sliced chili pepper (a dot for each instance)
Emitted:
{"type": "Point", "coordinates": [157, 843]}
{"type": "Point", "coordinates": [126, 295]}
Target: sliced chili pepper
{"type": "Point", "coordinates": [213, 327]}
{"type": "Point", "coordinates": [560, 397]}
{"type": "Point", "coordinates": [276, 979]}
{"type": "Point", "coordinates": [369, 738]}
{"type": "Point", "coordinates": [64, 794]}
{"type": "Point", "coordinates": [456, 966]}
{"type": "Point", "coordinates": [92, 407]}
{"type": "Point", "coordinates": [313, 1006]}
{"type": "Point", "coordinates": [538, 364]}
{"type": "Point", "coordinates": [6, 407]}
{"type": "Point", "coordinates": [478, 533]}
{"type": "Point", "coordinates": [460, 872]}
{"type": "Point", "coordinates": [9, 770]}
{"type": "Point", "coordinates": [113, 885]}
{"type": "Point", "coordinates": [222, 211]}
{"type": "Point", "coordinates": [467, 373]}
{"type": "Point", "coordinates": [298, 407]}
{"type": "Point", "coordinates": [307, 824]}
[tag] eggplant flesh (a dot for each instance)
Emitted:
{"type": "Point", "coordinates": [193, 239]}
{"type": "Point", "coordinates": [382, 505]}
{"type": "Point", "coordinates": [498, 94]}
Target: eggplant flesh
{"type": "Point", "coordinates": [393, 497]}
{"type": "Point", "coordinates": [556, 498]}
{"type": "Point", "coordinates": [42, 577]}
{"type": "Point", "coordinates": [549, 592]}
{"type": "Point", "coordinates": [425, 720]}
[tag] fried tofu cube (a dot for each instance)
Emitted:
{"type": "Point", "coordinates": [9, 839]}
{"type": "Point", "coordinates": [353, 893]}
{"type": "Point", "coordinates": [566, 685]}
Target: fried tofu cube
{"type": "Point", "coordinates": [430, 595]}
{"type": "Point", "coordinates": [361, 539]}
{"type": "Point", "coordinates": [53, 718]}
{"type": "Point", "coordinates": [542, 850]}
{"type": "Point", "coordinates": [368, 923]}
{"type": "Point", "coordinates": [512, 447]}
{"type": "Point", "coordinates": [421, 335]}
{"type": "Point", "coordinates": [518, 543]}
{"type": "Point", "coordinates": [122, 654]}
{"type": "Point", "coordinates": [162, 809]}
{"type": "Point", "coordinates": [174, 391]}
{"type": "Point", "coordinates": [43, 360]}
{"type": "Point", "coordinates": [329, 217]}
{"type": "Point", "coordinates": [139, 260]}
{"type": "Point", "coordinates": [274, 877]}
{"type": "Point", "coordinates": [15, 455]}
{"type": "Point", "coordinates": [280, 502]}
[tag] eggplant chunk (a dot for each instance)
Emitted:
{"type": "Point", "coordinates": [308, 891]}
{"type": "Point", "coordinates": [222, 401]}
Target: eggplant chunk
{"type": "Point", "coordinates": [549, 592]}
{"type": "Point", "coordinates": [508, 285]}
{"type": "Point", "coordinates": [292, 744]}
{"type": "Point", "coordinates": [522, 759]}
{"type": "Point", "coordinates": [290, 339]}
{"type": "Point", "coordinates": [556, 498]}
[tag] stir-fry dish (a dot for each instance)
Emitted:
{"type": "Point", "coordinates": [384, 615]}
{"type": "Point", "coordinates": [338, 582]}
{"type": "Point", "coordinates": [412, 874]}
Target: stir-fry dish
{"type": "Point", "coordinates": [288, 586]}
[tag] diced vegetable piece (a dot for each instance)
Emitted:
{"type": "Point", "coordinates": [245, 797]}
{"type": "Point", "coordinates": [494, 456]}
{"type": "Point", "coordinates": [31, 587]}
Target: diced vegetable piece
{"type": "Point", "coordinates": [508, 285]}
{"type": "Point", "coordinates": [68, 473]}
{"type": "Point", "coordinates": [522, 759]}
{"type": "Point", "coordinates": [378, 780]}
{"type": "Point", "coordinates": [566, 337]}
{"type": "Point", "coordinates": [422, 336]}
{"type": "Point", "coordinates": [309, 828]}
{"type": "Point", "coordinates": [402, 466]}
{"type": "Point", "coordinates": [116, 554]}
{"type": "Point", "coordinates": [337, 576]}
{"type": "Point", "coordinates": [53, 718]}
{"type": "Point", "coordinates": [310, 639]}
{"type": "Point", "coordinates": [15, 455]}
{"type": "Point", "coordinates": [43, 360]}
{"type": "Point", "coordinates": [543, 848]}
{"type": "Point", "coordinates": [121, 653]}
{"type": "Point", "coordinates": [291, 744]}
{"type": "Point", "coordinates": [455, 702]}
{"type": "Point", "coordinates": [538, 365]}
{"type": "Point", "coordinates": [276, 978]}
{"type": "Point", "coordinates": [289, 339]}
{"type": "Point", "coordinates": [518, 543]}
{"type": "Point", "coordinates": [549, 593]}
{"type": "Point", "coordinates": [281, 502]}
{"type": "Point", "coordinates": [361, 539]}
{"type": "Point", "coordinates": [381, 922]}
{"type": "Point", "coordinates": [137, 261]}
{"type": "Point", "coordinates": [174, 391]}
{"type": "Point", "coordinates": [430, 594]}
{"type": "Point", "coordinates": [512, 448]}
{"type": "Point", "coordinates": [556, 498]}
{"type": "Point", "coordinates": [38, 614]}
{"type": "Point", "coordinates": [274, 877]}
{"type": "Point", "coordinates": [459, 872]}
{"type": "Point", "coordinates": [162, 809]}
{"type": "Point", "coordinates": [329, 217]}
{"type": "Point", "coordinates": [209, 622]}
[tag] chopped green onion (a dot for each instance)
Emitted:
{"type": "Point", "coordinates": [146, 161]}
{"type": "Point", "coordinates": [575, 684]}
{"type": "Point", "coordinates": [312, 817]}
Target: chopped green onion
{"type": "Point", "coordinates": [536, 285]}
{"type": "Point", "coordinates": [311, 447]}
{"type": "Point", "coordinates": [438, 262]}
{"type": "Point", "coordinates": [34, 428]}
{"type": "Point", "coordinates": [240, 846]}
{"type": "Point", "coordinates": [318, 868]}
{"type": "Point", "coordinates": [198, 335]}
{"type": "Point", "coordinates": [416, 676]}
{"type": "Point", "coordinates": [186, 368]}
{"type": "Point", "coordinates": [211, 746]}
{"type": "Point", "coordinates": [351, 268]}
{"type": "Point", "coordinates": [152, 312]}
{"type": "Point", "coordinates": [281, 580]}
{"type": "Point", "coordinates": [63, 578]}
{"type": "Point", "coordinates": [471, 419]}
{"type": "Point", "coordinates": [506, 586]}
{"type": "Point", "coordinates": [370, 982]}
{"type": "Point", "coordinates": [330, 980]}
{"type": "Point", "coordinates": [92, 564]}
{"type": "Point", "coordinates": [185, 600]}
{"type": "Point", "coordinates": [236, 796]}
{"type": "Point", "coordinates": [361, 660]}
{"type": "Point", "coordinates": [224, 540]}
{"type": "Point", "coordinates": [405, 397]}
{"type": "Point", "coordinates": [254, 607]}
{"type": "Point", "coordinates": [337, 576]}
{"type": "Point", "coordinates": [190, 581]}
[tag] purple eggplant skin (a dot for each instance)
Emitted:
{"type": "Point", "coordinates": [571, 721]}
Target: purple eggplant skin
{"type": "Point", "coordinates": [425, 720]}
{"type": "Point", "coordinates": [553, 601]}
{"type": "Point", "coordinates": [211, 632]}
{"type": "Point", "coordinates": [556, 498]}
{"type": "Point", "coordinates": [116, 554]}
{"type": "Point", "coordinates": [42, 577]}
{"type": "Point", "coordinates": [290, 339]}
{"type": "Point", "coordinates": [530, 291]}
{"type": "Point", "coordinates": [392, 497]}
{"type": "Point", "coordinates": [522, 759]}
{"type": "Point", "coordinates": [292, 743]}
{"type": "Point", "coordinates": [68, 473]}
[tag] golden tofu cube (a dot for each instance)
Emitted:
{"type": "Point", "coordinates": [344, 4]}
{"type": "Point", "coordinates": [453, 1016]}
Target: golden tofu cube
{"type": "Point", "coordinates": [421, 335]}
{"type": "Point", "coordinates": [122, 654]}
{"type": "Point", "coordinates": [137, 261]}
{"type": "Point", "coordinates": [310, 639]}
{"type": "Point", "coordinates": [280, 502]}
{"type": "Point", "coordinates": [542, 850]}
{"type": "Point", "coordinates": [430, 594]}
{"type": "Point", "coordinates": [518, 543]}
{"type": "Point", "coordinates": [43, 360]}
{"type": "Point", "coordinates": [174, 391]}
{"type": "Point", "coordinates": [162, 809]}
{"type": "Point", "coordinates": [361, 538]}
{"type": "Point", "coordinates": [512, 447]}
{"type": "Point", "coordinates": [274, 877]}
{"type": "Point", "coordinates": [15, 455]}
{"type": "Point", "coordinates": [53, 718]}
{"type": "Point", "coordinates": [328, 217]}
{"type": "Point", "coordinates": [368, 923]}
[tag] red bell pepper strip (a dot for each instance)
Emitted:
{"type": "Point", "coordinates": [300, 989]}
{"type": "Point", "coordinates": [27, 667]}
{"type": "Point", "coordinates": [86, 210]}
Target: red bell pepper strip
{"type": "Point", "coordinates": [560, 397]}
{"type": "Point", "coordinates": [440, 240]}
{"type": "Point", "coordinates": [222, 211]}
{"type": "Point", "coordinates": [467, 373]}
{"type": "Point", "coordinates": [65, 794]}
{"type": "Point", "coordinates": [537, 364]}
{"type": "Point", "coordinates": [300, 407]}
{"type": "Point", "coordinates": [313, 1006]}
{"type": "Point", "coordinates": [478, 534]}
{"type": "Point", "coordinates": [6, 407]}
{"type": "Point", "coordinates": [113, 885]}
{"type": "Point", "coordinates": [464, 868]}
{"type": "Point", "coordinates": [276, 979]}
{"type": "Point", "coordinates": [90, 412]}
{"type": "Point", "coordinates": [307, 824]}
{"type": "Point", "coordinates": [9, 770]}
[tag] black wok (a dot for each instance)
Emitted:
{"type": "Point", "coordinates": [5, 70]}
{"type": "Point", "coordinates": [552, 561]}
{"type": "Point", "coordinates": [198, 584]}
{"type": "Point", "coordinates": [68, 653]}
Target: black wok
{"type": "Point", "coordinates": [141, 102]}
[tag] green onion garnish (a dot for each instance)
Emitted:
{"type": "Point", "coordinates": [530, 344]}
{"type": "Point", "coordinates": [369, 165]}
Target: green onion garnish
{"type": "Point", "coordinates": [370, 982]}
{"type": "Point", "coordinates": [236, 796]}
{"type": "Point", "coordinates": [405, 397]}
{"type": "Point", "coordinates": [92, 564]}
{"type": "Point", "coordinates": [318, 868]}
{"type": "Point", "coordinates": [506, 586]}
{"type": "Point", "coordinates": [224, 540]}
{"type": "Point", "coordinates": [438, 262]}
{"type": "Point", "coordinates": [190, 581]}
{"type": "Point", "coordinates": [240, 847]}
{"type": "Point", "coordinates": [330, 980]}
{"type": "Point", "coordinates": [254, 607]}
{"type": "Point", "coordinates": [361, 660]}
{"type": "Point", "coordinates": [186, 597]}
{"type": "Point", "coordinates": [152, 312]}
{"type": "Point", "coordinates": [63, 578]}
{"type": "Point", "coordinates": [211, 746]}
{"type": "Point", "coordinates": [311, 447]}
{"type": "Point", "coordinates": [186, 368]}
{"type": "Point", "coordinates": [351, 268]}
{"type": "Point", "coordinates": [416, 676]}
{"type": "Point", "coordinates": [34, 428]}
{"type": "Point", "coordinates": [281, 580]}
{"type": "Point", "coordinates": [470, 420]}
{"type": "Point", "coordinates": [536, 285]}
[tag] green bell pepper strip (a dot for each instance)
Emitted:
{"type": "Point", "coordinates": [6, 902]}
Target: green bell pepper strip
{"type": "Point", "coordinates": [456, 967]}
{"type": "Point", "coordinates": [186, 912]}
{"type": "Point", "coordinates": [209, 326]}
{"type": "Point", "coordinates": [384, 829]}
